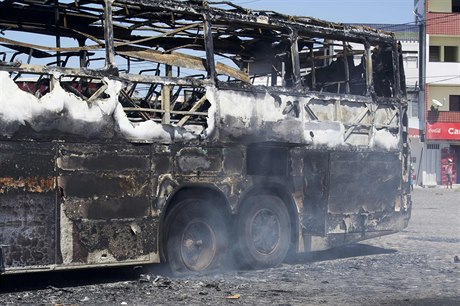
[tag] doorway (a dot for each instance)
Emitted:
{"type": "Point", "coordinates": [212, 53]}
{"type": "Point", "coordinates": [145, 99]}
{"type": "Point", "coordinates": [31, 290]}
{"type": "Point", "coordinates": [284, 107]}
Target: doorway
{"type": "Point", "coordinates": [456, 149]}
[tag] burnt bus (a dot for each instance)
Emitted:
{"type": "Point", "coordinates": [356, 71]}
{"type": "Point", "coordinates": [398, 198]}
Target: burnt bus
{"type": "Point", "coordinates": [136, 132]}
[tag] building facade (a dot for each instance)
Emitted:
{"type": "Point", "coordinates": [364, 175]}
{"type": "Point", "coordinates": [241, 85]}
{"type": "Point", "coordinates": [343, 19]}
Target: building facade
{"type": "Point", "coordinates": [439, 88]}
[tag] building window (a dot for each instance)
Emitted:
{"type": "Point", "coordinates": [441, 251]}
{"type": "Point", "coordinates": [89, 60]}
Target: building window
{"type": "Point", "coordinates": [411, 62]}
{"type": "Point", "coordinates": [455, 6]}
{"type": "Point", "coordinates": [432, 146]}
{"type": "Point", "coordinates": [435, 53]}
{"type": "Point", "coordinates": [454, 103]}
{"type": "Point", "coordinates": [451, 54]}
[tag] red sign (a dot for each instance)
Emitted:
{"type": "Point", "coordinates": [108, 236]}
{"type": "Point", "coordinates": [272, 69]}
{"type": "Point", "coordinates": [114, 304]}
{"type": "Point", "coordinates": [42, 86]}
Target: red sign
{"type": "Point", "coordinates": [443, 131]}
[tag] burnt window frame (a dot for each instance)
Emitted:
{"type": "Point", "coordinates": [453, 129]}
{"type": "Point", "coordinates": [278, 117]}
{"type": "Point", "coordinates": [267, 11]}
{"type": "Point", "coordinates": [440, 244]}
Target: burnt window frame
{"type": "Point", "coordinates": [314, 63]}
{"type": "Point", "coordinates": [206, 17]}
{"type": "Point", "coordinates": [397, 80]}
{"type": "Point", "coordinates": [242, 32]}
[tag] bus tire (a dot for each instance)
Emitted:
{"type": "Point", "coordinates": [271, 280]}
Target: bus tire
{"type": "Point", "coordinates": [196, 238]}
{"type": "Point", "coordinates": [264, 231]}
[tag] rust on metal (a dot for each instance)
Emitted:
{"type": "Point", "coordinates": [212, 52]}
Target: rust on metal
{"type": "Point", "coordinates": [28, 184]}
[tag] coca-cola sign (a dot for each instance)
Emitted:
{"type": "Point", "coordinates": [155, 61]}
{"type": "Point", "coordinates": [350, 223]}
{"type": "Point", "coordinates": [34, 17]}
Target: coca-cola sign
{"type": "Point", "coordinates": [443, 131]}
{"type": "Point", "coordinates": [434, 131]}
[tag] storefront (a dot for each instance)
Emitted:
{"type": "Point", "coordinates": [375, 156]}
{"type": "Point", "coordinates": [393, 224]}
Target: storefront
{"type": "Point", "coordinates": [443, 144]}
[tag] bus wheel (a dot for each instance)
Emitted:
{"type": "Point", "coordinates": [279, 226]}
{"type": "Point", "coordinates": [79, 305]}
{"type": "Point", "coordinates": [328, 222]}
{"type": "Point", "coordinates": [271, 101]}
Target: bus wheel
{"type": "Point", "coordinates": [196, 237]}
{"type": "Point", "coordinates": [264, 231]}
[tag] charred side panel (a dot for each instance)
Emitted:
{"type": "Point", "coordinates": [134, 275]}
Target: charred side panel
{"type": "Point", "coordinates": [316, 188]}
{"type": "Point", "coordinates": [27, 203]}
{"type": "Point", "coordinates": [233, 160]}
{"type": "Point", "coordinates": [267, 159]}
{"type": "Point", "coordinates": [198, 161]}
{"type": "Point", "coordinates": [364, 190]}
{"type": "Point", "coordinates": [106, 202]}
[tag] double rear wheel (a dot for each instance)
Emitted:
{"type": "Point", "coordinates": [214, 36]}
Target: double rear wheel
{"type": "Point", "coordinates": [197, 236]}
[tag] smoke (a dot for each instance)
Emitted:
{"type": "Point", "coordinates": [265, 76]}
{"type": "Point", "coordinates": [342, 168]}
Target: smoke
{"type": "Point", "coordinates": [385, 140]}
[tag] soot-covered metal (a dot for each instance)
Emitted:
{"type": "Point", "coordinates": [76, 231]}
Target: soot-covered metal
{"type": "Point", "coordinates": [140, 116]}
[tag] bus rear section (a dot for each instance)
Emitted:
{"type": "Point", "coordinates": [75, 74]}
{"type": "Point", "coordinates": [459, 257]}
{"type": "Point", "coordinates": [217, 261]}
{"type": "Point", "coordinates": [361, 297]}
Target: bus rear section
{"type": "Point", "coordinates": [362, 196]}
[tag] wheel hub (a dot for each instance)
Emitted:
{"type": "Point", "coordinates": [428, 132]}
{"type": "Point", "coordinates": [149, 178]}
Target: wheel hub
{"type": "Point", "coordinates": [198, 245]}
{"type": "Point", "coordinates": [265, 231]}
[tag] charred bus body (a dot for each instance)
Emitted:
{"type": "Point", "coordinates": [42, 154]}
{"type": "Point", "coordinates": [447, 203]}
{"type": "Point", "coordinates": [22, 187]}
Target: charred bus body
{"type": "Point", "coordinates": [146, 131]}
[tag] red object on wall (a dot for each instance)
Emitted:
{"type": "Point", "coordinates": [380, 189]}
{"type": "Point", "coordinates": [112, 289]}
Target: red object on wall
{"type": "Point", "coordinates": [445, 156]}
{"type": "Point", "coordinates": [443, 131]}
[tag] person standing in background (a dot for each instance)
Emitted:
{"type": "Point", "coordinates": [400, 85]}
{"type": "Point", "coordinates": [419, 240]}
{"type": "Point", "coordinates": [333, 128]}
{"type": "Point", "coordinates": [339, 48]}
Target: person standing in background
{"type": "Point", "coordinates": [449, 172]}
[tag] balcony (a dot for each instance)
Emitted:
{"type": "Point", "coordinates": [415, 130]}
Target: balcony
{"type": "Point", "coordinates": [434, 116]}
{"type": "Point", "coordinates": [443, 126]}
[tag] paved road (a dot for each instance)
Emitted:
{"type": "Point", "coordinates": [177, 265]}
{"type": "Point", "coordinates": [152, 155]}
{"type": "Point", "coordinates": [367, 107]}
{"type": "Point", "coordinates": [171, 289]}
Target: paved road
{"type": "Point", "coordinates": [414, 267]}
{"type": "Point", "coordinates": [423, 270]}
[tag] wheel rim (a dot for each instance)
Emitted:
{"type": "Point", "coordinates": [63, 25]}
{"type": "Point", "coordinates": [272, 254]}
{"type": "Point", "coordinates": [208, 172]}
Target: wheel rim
{"type": "Point", "coordinates": [265, 231]}
{"type": "Point", "coordinates": [198, 245]}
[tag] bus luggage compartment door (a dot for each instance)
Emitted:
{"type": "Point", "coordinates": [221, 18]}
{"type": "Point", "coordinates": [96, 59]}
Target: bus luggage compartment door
{"type": "Point", "coordinates": [105, 203]}
{"type": "Point", "coordinates": [364, 189]}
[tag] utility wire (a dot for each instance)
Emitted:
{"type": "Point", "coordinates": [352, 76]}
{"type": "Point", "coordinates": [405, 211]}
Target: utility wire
{"type": "Point", "coordinates": [443, 80]}
{"type": "Point", "coordinates": [247, 2]}
{"type": "Point", "coordinates": [422, 21]}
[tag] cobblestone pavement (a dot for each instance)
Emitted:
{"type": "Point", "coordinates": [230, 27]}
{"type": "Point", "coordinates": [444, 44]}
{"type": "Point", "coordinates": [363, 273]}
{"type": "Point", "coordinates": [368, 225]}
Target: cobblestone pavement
{"type": "Point", "coordinates": [414, 267]}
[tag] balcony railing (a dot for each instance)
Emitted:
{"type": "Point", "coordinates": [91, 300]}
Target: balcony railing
{"type": "Point", "coordinates": [443, 116]}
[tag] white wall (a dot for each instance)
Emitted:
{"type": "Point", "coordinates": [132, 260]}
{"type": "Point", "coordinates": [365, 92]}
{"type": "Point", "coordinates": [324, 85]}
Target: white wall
{"type": "Point", "coordinates": [416, 151]}
{"type": "Point", "coordinates": [410, 55]}
{"type": "Point", "coordinates": [431, 166]}
{"type": "Point", "coordinates": [440, 6]}
{"type": "Point", "coordinates": [443, 73]}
